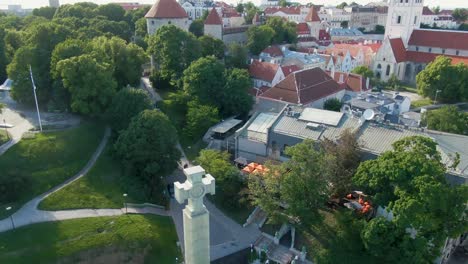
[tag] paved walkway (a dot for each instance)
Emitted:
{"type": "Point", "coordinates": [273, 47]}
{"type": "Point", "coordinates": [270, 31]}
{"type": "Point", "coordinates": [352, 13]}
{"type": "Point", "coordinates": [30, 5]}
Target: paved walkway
{"type": "Point", "coordinates": [29, 214]}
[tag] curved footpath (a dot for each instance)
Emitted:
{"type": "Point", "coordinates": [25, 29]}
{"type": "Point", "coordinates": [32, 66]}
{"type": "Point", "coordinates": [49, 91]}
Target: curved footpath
{"type": "Point", "coordinates": [29, 214]}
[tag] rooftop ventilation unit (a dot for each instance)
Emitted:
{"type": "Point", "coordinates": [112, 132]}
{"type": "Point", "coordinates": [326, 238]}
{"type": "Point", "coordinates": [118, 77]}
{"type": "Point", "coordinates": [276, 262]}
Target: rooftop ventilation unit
{"type": "Point", "coordinates": [313, 126]}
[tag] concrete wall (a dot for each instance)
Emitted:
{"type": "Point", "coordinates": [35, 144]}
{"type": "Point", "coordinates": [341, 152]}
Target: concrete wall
{"type": "Point", "coordinates": [154, 24]}
{"type": "Point", "coordinates": [239, 38]}
{"type": "Point", "coordinates": [216, 31]}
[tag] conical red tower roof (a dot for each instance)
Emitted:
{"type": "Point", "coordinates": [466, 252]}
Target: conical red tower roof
{"type": "Point", "coordinates": [213, 18]}
{"type": "Point", "coordinates": [166, 9]}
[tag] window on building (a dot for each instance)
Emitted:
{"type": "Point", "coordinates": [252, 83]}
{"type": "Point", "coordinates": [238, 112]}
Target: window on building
{"type": "Point", "coordinates": [399, 20]}
{"type": "Point", "coordinates": [457, 52]}
{"type": "Point", "coordinates": [430, 50]}
{"type": "Point", "coordinates": [406, 1]}
{"type": "Point", "coordinates": [443, 51]}
{"type": "Point", "coordinates": [415, 20]}
{"type": "Point", "coordinates": [388, 70]}
{"type": "Point", "coordinates": [169, 22]}
{"type": "Point", "coordinates": [417, 48]}
{"type": "Point", "coordinates": [401, 1]}
{"type": "Point", "coordinates": [152, 22]}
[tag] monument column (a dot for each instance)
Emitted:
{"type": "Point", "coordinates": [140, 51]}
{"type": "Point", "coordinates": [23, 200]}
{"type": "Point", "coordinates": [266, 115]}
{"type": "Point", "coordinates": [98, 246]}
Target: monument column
{"type": "Point", "coordinates": [196, 217]}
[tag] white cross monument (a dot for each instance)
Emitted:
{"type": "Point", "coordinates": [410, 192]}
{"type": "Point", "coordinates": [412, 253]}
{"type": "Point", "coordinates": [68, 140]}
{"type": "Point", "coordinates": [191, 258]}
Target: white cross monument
{"type": "Point", "coordinates": [196, 217]}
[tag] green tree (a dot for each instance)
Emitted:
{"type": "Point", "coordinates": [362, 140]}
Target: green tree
{"type": "Point", "coordinates": [65, 50]}
{"type": "Point", "coordinates": [236, 99]}
{"type": "Point", "coordinates": [106, 27]}
{"type": "Point", "coordinates": [89, 82]}
{"type": "Point", "coordinates": [80, 10]}
{"type": "Point", "coordinates": [342, 5]}
{"type": "Point", "coordinates": [199, 80]}
{"type": "Point", "coordinates": [379, 29]}
{"type": "Point", "coordinates": [45, 11]}
{"type": "Point", "coordinates": [211, 46]}
{"type": "Point", "coordinates": [332, 104]}
{"type": "Point", "coordinates": [3, 57]}
{"type": "Point", "coordinates": [250, 11]}
{"type": "Point", "coordinates": [199, 119]}
{"type": "Point", "coordinates": [393, 83]}
{"type": "Point", "coordinates": [126, 104]}
{"type": "Point", "coordinates": [436, 9]}
{"type": "Point", "coordinates": [447, 119]}
{"type": "Point", "coordinates": [126, 59]}
{"type": "Point", "coordinates": [441, 75]}
{"type": "Point", "coordinates": [240, 7]}
{"type": "Point", "coordinates": [259, 37]}
{"type": "Point", "coordinates": [344, 24]}
{"type": "Point", "coordinates": [228, 179]}
{"type": "Point", "coordinates": [141, 28]}
{"type": "Point", "coordinates": [364, 71]}
{"type": "Point", "coordinates": [112, 12]}
{"type": "Point", "coordinates": [460, 14]}
{"type": "Point", "coordinates": [283, 3]}
{"type": "Point", "coordinates": [237, 56]}
{"type": "Point", "coordinates": [173, 50]}
{"type": "Point", "coordinates": [344, 159]}
{"type": "Point", "coordinates": [298, 183]}
{"type": "Point", "coordinates": [39, 42]}
{"type": "Point", "coordinates": [148, 149]}
{"type": "Point", "coordinates": [197, 27]}
{"type": "Point", "coordinates": [285, 32]}
{"type": "Point", "coordinates": [410, 181]}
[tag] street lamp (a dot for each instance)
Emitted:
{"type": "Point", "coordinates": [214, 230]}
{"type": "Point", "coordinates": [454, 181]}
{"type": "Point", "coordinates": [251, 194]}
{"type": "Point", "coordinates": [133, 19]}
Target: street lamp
{"type": "Point", "coordinates": [11, 217]}
{"type": "Point", "coordinates": [437, 92]}
{"type": "Point", "coordinates": [125, 202]}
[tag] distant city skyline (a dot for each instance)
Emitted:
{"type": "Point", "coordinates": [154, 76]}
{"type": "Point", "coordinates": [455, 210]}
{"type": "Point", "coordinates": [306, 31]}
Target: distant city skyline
{"type": "Point", "coordinates": [38, 3]}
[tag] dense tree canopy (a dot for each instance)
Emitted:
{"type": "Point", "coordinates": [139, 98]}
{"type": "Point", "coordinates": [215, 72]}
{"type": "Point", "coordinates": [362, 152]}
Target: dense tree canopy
{"type": "Point", "coordinates": [298, 183]}
{"type": "Point", "coordinates": [89, 82]}
{"type": "Point", "coordinates": [212, 46]}
{"type": "Point", "coordinates": [197, 27]}
{"type": "Point", "coordinates": [285, 32]}
{"type": "Point", "coordinates": [45, 11]}
{"type": "Point", "coordinates": [364, 71]}
{"type": "Point", "coordinates": [199, 118]}
{"type": "Point", "coordinates": [228, 92]}
{"type": "Point", "coordinates": [259, 37]}
{"type": "Point", "coordinates": [448, 119]}
{"type": "Point", "coordinates": [410, 181]}
{"type": "Point", "coordinates": [332, 104]}
{"type": "Point", "coordinates": [199, 80]}
{"type": "Point", "coordinates": [236, 56]}
{"type": "Point", "coordinates": [126, 104]}
{"type": "Point", "coordinates": [228, 179]}
{"type": "Point", "coordinates": [460, 14]}
{"type": "Point", "coordinates": [3, 57]}
{"type": "Point", "coordinates": [126, 59]}
{"type": "Point", "coordinates": [441, 75]}
{"type": "Point", "coordinates": [173, 50]}
{"type": "Point", "coordinates": [148, 149]}
{"type": "Point", "coordinates": [111, 11]}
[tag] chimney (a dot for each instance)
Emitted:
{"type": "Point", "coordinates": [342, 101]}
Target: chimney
{"type": "Point", "coordinates": [341, 78]}
{"type": "Point", "coordinates": [367, 83]}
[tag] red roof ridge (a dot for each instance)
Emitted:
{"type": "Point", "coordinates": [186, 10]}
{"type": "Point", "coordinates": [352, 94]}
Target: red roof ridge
{"type": "Point", "coordinates": [312, 16]}
{"type": "Point", "coordinates": [213, 18]}
{"type": "Point", "coordinates": [166, 9]}
{"type": "Point", "coordinates": [398, 48]}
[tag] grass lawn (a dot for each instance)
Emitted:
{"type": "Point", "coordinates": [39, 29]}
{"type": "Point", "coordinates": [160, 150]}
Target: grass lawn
{"type": "Point", "coordinates": [3, 136]}
{"type": "Point", "coordinates": [337, 240]}
{"type": "Point", "coordinates": [48, 159]}
{"type": "Point", "coordinates": [100, 188]}
{"type": "Point", "coordinates": [408, 88]}
{"type": "Point", "coordinates": [118, 239]}
{"type": "Point", "coordinates": [421, 103]}
{"type": "Point", "coordinates": [239, 215]}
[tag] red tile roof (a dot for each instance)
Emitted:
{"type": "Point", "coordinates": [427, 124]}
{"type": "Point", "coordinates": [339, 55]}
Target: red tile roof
{"type": "Point", "coordinates": [254, 91]}
{"type": "Point", "coordinates": [263, 70]}
{"type": "Point", "coordinates": [302, 29]}
{"type": "Point", "coordinates": [445, 39]}
{"type": "Point", "coordinates": [312, 16]}
{"type": "Point", "coordinates": [398, 48]}
{"type": "Point", "coordinates": [273, 51]}
{"type": "Point", "coordinates": [166, 9]}
{"type": "Point", "coordinates": [213, 18]}
{"type": "Point", "coordinates": [230, 12]}
{"type": "Point", "coordinates": [425, 57]}
{"type": "Point", "coordinates": [289, 69]}
{"type": "Point", "coordinates": [324, 35]}
{"type": "Point", "coordinates": [303, 87]}
{"type": "Point", "coordinates": [291, 10]}
{"type": "Point", "coordinates": [427, 11]}
{"type": "Point", "coordinates": [351, 82]}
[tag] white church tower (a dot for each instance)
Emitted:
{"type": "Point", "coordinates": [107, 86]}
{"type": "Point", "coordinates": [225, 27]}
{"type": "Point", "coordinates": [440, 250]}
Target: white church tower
{"type": "Point", "coordinates": [403, 17]}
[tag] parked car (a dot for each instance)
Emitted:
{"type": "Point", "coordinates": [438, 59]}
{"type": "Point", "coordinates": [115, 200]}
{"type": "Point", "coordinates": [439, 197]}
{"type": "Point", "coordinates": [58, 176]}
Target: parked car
{"type": "Point", "coordinates": [6, 86]}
